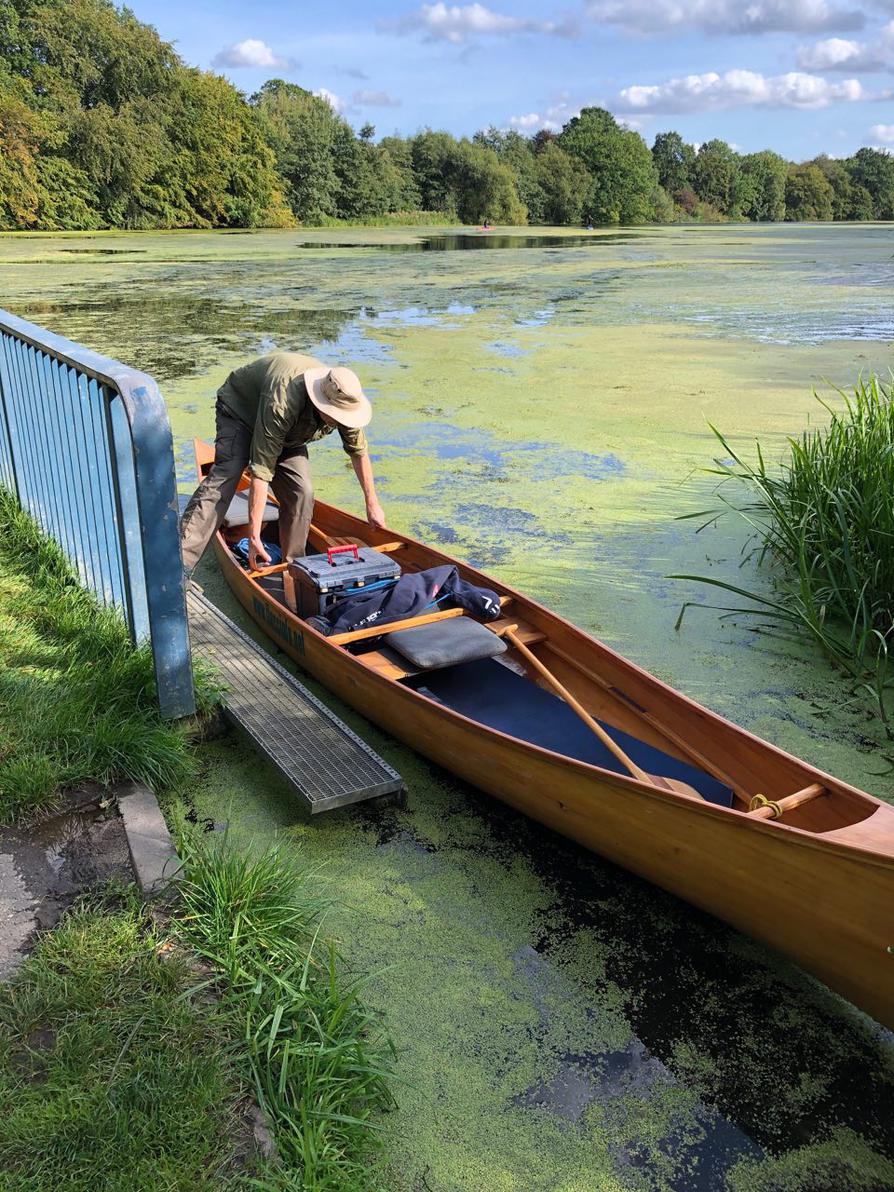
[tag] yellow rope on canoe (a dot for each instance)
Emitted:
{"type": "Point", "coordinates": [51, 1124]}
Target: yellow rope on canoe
{"type": "Point", "coordinates": [762, 801]}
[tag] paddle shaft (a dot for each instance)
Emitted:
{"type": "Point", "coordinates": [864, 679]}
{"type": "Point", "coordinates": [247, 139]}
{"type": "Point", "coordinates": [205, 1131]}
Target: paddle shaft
{"type": "Point", "coordinates": [675, 739]}
{"type": "Point", "coordinates": [582, 712]}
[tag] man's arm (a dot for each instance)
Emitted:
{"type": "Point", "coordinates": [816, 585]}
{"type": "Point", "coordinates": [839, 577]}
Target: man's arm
{"type": "Point", "coordinates": [364, 473]}
{"type": "Point", "coordinates": [257, 499]}
{"type": "Point", "coordinates": [267, 441]}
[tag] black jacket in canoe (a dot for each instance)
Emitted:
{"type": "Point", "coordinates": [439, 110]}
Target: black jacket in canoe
{"type": "Point", "coordinates": [408, 596]}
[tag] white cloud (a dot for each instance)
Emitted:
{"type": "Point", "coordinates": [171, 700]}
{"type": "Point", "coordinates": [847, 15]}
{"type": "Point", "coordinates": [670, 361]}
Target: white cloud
{"type": "Point", "coordinates": [725, 16]}
{"type": "Point", "coordinates": [375, 99]}
{"type": "Point", "coordinates": [529, 121]}
{"type": "Point", "coordinates": [739, 88]}
{"type": "Point", "coordinates": [833, 54]}
{"type": "Point", "coordinates": [460, 23]}
{"type": "Point", "coordinates": [837, 53]}
{"type": "Point", "coordinates": [883, 132]}
{"type": "Point", "coordinates": [251, 53]}
{"type": "Point", "coordinates": [558, 114]}
{"type": "Point", "coordinates": [335, 102]}
{"type": "Point", "coordinates": [551, 118]}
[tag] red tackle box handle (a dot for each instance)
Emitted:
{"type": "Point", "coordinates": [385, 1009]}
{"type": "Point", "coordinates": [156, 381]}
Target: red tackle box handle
{"type": "Point", "coordinates": [339, 550]}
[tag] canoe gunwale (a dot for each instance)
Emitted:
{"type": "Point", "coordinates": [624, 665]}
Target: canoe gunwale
{"type": "Point", "coordinates": [624, 783]}
{"type": "Point", "coordinates": [775, 881]}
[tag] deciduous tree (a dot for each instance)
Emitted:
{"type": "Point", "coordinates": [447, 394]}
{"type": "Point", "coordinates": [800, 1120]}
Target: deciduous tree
{"type": "Point", "coordinates": [622, 173]}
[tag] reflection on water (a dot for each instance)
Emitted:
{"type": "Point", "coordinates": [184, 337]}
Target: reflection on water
{"type": "Point", "coordinates": [105, 252]}
{"type": "Point", "coordinates": [454, 241]}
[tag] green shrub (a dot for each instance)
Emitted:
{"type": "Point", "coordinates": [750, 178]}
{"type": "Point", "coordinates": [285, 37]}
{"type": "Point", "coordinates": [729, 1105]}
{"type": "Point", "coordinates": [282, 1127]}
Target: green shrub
{"type": "Point", "coordinates": [77, 699]}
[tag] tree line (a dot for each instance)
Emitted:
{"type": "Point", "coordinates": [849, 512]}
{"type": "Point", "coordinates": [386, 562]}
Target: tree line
{"type": "Point", "coordinates": [102, 125]}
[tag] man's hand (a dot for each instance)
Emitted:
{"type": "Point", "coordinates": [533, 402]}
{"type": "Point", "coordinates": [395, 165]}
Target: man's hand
{"type": "Point", "coordinates": [364, 473]}
{"type": "Point", "coordinates": [257, 499]}
{"type": "Point", "coordinates": [374, 515]}
{"type": "Point", "coordinates": [257, 555]}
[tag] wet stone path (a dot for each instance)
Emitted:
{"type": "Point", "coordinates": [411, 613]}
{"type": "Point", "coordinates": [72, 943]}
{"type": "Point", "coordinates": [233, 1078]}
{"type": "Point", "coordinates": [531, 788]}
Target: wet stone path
{"type": "Point", "coordinates": [44, 868]}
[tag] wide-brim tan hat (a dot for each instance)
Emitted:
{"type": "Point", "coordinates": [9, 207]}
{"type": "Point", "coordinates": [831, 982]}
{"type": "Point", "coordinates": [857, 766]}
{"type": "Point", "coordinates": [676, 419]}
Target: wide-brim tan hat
{"type": "Point", "coordinates": [337, 392]}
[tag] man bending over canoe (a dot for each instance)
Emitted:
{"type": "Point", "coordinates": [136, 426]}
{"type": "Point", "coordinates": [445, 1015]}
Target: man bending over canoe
{"type": "Point", "coordinates": [267, 412]}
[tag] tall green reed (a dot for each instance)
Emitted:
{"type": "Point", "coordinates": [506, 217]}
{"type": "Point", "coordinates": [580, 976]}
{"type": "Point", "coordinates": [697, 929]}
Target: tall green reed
{"type": "Point", "coordinates": [824, 522]}
{"type": "Point", "coordinates": [319, 1058]}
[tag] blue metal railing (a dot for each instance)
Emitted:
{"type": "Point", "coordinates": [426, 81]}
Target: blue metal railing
{"type": "Point", "coordinates": [85, 445]}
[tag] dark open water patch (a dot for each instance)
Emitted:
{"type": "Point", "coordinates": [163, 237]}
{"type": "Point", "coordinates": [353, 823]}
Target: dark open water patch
{"type": "Point", "coordinates": [489, 535]}
{"type": "Point", "coordinates": [106, 252]}
{"type": "Point", "coordinates": [458, 241]}
{"type": "Point", "coordinates": [735, 1055]}
{"type": "Point", "coordinates": [172, 335]}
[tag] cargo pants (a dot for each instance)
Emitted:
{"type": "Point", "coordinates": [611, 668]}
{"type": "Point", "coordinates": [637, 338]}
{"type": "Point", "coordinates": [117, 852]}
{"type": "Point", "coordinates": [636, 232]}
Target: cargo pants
{"type": "Point", "coordinates": [291, 484]}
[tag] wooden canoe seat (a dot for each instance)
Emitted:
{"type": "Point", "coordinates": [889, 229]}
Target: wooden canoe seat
{"type": "Point", "coordinates": [524, 630]}
{"type": "Point", "coordinates": [763, 808]}
{"type": "Point", "coordinates": [387, 663]}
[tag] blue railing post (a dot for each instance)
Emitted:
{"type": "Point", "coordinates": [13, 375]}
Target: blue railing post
{"type": "Point", "coordinates": [86, 447]}
{"type": "Point", "coordinates": [7, 454]}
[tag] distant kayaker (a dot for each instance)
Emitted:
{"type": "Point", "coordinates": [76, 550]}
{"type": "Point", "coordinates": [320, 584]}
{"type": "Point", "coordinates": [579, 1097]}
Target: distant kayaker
{"type": "Point", "coordinates": [267, 412]}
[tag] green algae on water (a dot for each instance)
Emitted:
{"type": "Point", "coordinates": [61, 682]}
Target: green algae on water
{"type": "Point", "coordinates": [542, 411]}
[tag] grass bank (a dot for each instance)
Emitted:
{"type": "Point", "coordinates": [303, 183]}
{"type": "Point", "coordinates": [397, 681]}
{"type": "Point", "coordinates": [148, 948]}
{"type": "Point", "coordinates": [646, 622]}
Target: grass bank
{"type": "Point", "coordinates": [110, 1075]}
{"type": "Point", "coordinates": [129, 1065]}
{"type": "Point", "coordinates": [823, 520]}
{"type": "Point", "coordinates": [77, 701]}
{"type": "Point", "coordinates": [117, 1070]}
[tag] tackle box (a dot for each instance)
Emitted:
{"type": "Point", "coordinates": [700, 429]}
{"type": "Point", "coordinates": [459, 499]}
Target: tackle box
{"type": "Point", "coordinates": [320, 580]}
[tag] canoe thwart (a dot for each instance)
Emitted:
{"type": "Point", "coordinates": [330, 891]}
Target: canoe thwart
{"type": "Point", "coordinates": [378, 630]}
{"type": "Point", "coordinates": [761, 807]}
{"type": "Point", "coordinates": [522, 629]}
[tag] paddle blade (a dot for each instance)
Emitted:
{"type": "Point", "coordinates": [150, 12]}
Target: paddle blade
{"type": "Point", "coordinates": [677, 786]}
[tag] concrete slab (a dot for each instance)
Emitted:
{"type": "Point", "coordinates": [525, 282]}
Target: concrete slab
{"type": "Point", "coordinates": [152, 853]}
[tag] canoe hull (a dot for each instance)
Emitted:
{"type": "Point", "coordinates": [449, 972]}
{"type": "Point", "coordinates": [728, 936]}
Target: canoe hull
{"type": "Point", "coordinates": [823, 903]}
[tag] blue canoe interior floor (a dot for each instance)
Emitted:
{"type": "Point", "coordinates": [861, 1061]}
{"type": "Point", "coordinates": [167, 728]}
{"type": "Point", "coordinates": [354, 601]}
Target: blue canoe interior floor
{"type": "Point", "coordinates": [494, 695]}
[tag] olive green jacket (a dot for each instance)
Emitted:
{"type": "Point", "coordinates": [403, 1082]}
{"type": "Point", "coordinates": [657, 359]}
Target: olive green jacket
{"type": "Point", "coordinates": [269, 395]}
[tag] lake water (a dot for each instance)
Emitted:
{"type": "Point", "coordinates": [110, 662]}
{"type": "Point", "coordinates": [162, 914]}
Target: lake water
{"type": "Point", "coordinates": [542, 409]}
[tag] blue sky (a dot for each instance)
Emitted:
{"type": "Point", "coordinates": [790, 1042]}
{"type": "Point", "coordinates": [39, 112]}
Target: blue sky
{"type": "Point", "coordinates": [798, 76]}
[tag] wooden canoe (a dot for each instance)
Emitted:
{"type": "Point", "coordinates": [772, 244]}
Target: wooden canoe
{"type": "Point", "coordinates": [817, 883]}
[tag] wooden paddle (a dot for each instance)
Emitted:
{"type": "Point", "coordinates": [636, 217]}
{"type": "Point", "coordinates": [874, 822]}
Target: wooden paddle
{"type": "Point", "coordinates": [656, 780]}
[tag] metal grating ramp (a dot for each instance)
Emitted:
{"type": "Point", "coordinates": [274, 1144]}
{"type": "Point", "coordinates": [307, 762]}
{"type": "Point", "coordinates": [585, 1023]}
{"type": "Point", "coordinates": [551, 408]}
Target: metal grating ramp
{"type": "Point", "coordinates": [327, 764]}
